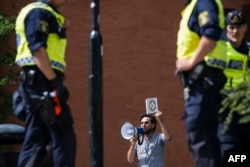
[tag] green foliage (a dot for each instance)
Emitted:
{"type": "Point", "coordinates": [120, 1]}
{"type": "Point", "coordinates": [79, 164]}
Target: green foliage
{"type": "Point", "coordinates": [7, 65]}
{"type": "Point", "coordinates": [7, 25]}
{"type": "Point", "coordinates": [237, 102]}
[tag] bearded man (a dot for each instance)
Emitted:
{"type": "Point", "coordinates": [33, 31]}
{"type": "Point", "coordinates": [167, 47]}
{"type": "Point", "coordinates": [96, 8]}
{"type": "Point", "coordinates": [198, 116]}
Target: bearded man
{"type": "Point", "coordinates": [150, 151]}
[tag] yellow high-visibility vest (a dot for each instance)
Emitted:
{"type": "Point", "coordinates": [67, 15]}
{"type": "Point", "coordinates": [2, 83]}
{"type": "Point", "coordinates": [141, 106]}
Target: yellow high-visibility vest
{"type": "Point", "coordinates": [56, 46]}
{"type": "Point", "coordinates": [187, 40]}
{"type": "Point", "coordinates": [236, 70]}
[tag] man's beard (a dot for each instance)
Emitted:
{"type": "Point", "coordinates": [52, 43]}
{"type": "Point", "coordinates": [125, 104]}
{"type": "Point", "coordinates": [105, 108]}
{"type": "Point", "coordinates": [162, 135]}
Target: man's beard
{"type": "Point", "coordinates": [148, 131]}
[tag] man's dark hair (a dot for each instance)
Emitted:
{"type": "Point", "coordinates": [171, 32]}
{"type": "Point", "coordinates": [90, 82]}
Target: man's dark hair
{"type": "Point", "coordinates": [152, 118]}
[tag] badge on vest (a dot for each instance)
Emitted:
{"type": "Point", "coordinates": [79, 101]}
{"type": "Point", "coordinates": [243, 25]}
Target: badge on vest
{"type": "Point", "coordinates": [44, 26]}
{"type": "Point", "coordinates": [203, 18]}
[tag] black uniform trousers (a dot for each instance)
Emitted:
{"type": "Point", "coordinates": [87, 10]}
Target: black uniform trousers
{"type": "Point", "coordinates": [201, 118]}
{"type": "Point", "coordinates": [38, 133]}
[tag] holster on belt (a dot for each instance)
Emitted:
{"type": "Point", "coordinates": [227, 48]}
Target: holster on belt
{"type": "Point", "coordinates": [33, 75]}
{"type": "Point", "coordinates": [183, 78]}
{"type": "Point", "coordinates": [27, 77]}
{"type": "Point", "coordinates": [42, 105]}
{"type": "Point", "coordinates": [188, 78]}
{"type": "Point", "coordinates": [46, 110]}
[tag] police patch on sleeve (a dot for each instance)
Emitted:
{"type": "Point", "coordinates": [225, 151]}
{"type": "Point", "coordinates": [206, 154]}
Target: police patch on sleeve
{"type": "Point", "coordinates": [203, 18]}
{"type": "Point", "coordinates": [44, 26]}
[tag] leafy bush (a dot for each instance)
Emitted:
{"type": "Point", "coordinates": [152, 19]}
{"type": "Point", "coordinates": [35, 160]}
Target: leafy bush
{"type": "Point", "coordinates": [7, 65]}
{"type": "Point", "coordinates": [7, 25]}
{"type": "Point", "coordinates": [237, 102]}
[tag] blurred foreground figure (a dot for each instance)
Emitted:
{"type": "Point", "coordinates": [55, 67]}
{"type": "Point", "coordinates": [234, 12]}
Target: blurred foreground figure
{"type": "Point", "coordinates": [41, 45]}
{"type": "Point", "coordinates": [237, 136]}
{"type": "Point", "coordinates": [201, 58]}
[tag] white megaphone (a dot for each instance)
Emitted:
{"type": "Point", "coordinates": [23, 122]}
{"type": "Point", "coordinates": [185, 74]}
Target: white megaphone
{"type": "Point", "coordinates": [128, 131]}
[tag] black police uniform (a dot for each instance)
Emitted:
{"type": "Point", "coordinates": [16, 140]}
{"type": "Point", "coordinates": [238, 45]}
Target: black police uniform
{"type": "Point", "coordinates": [42, 128]}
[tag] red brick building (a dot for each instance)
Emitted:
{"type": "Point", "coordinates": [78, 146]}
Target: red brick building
{"type": "Point", "coordinates": [139, 40]}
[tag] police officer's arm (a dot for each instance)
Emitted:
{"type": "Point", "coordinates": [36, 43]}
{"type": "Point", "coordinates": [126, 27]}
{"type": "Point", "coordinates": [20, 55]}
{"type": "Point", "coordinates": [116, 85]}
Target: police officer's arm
{"type": "Point", "coordinates": [37, 30]}
{"type": "Point", "coordinates": [131, 151]}
{"type": "Point", "coordinates": [205, 46]}
{"type": "Point", "coordinates": [209, 31]}
{"type": "Point", "coordinates": [43, 63]}
{"type": "Point", "coordinates": [164, 129]}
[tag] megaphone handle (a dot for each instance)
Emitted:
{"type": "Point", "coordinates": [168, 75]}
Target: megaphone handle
{"type": "Point", "coordinates": [140, 141]}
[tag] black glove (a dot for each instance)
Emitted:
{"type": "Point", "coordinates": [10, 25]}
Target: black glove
{"type": "Point", "coordinates": [61, 91]}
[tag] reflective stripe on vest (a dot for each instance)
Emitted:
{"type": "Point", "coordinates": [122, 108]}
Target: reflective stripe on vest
{"type": "Point", "coordinates": [30, 61]}
{"type": "Point", "coordinates": [56, 46]}
{"type": "Point", "coordinates": [188, 41]}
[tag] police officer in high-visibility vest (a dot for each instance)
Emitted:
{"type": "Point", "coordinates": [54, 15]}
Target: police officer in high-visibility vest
{"type": "Point", "coordinates": [201, 58]}
{"type": "Point", "coordinates": [41, 44]}
{"type": "Point", "coordinates": [237, 71]}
